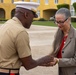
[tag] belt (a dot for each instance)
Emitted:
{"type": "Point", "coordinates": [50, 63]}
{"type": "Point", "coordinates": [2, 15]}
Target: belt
{"type": "Point", "coordinates": [8, 71]}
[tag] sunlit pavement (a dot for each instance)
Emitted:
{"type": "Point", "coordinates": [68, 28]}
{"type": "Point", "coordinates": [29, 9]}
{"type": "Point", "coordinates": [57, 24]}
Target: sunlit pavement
{"type": "Point", "coordinates": [41, 38]}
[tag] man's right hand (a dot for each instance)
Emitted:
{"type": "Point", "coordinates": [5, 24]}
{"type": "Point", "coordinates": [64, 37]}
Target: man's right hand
{"type": "Point", "coordinates": [45, 60]}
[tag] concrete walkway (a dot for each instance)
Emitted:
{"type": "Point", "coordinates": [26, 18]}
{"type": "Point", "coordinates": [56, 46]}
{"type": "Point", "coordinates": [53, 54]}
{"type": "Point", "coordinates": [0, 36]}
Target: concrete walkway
{"type": "Point", "coordinates": [41, 38]}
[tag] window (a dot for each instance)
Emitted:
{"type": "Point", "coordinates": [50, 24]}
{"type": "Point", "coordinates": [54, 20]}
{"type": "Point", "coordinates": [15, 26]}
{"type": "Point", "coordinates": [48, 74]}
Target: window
{"type": "Point", "coordinates": [56, 1]}
{"type": "Point", "coordinates": [22, 0]}
{"type": "Point", "coordinates": [12, 1]}
{"type": "Point", "coordinates": [31, 0]}
{"type": "Point", "coordinates": [38, 13]}
{"type": "Point", "coordinates": [46, 1]}
{"type": "Point", "coordinates": [72, 8]}
{"type": "Point", "coordinates": [38, 1]}
{"type": "Point", "coordinates": [72, 1]}
{"type": "Point", "coordinates": [1, 1]}
{"type": "Point", "coordinates": [72, 11]}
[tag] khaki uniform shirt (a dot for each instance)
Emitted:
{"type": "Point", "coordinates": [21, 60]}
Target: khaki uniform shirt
{"type": "Point", "coordinates": [14, 44]}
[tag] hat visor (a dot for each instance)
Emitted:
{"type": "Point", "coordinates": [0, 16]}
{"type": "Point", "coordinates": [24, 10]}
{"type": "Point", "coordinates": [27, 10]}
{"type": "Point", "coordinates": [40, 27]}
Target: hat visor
{"type": "Point", "coordinates": [36, 16]}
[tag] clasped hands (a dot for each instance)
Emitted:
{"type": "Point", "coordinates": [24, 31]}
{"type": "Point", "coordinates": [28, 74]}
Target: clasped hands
{"type": "Point", "coordinates": [52, 63]}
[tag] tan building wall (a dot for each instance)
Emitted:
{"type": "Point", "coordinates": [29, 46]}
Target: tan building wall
{"type": "Point", "coordinates": [7, 9]}
{"type": "Point", "coordinates": [48, 10]}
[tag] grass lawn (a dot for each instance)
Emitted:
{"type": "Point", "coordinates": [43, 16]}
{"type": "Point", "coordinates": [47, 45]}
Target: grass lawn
{"type": "Point", "coordinates": [1, 22]}
{"type": "Point", "coordinates": [49, 23]}
{"type": "Point", "coordinates": [45, 23]}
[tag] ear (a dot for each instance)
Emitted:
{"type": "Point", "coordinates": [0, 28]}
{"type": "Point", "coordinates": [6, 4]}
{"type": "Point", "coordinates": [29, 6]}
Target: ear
{"type": "Point", "coordinates": [26, 14]}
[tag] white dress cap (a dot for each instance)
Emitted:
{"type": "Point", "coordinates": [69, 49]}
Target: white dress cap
{"type": "Point", "coordinates": [27, 5]}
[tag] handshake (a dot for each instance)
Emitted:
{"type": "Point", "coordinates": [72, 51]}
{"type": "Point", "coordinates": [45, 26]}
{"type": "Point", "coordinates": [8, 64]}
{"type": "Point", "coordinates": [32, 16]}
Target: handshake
{"type": "Point", "coordinates": [48, 61]}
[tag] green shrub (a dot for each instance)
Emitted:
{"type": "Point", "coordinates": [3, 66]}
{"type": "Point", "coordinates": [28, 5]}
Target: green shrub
{"type": "Point", "coordinates": [3, 19]}
{"type": "Point", "coordinates": [73, 19]}
{"type": "Point", "coordinates": [63, 6]}
{"type": "Point", "coordinates": [41, 19]}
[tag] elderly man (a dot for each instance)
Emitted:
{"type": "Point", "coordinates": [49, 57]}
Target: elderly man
{"type": "Point", "coordinates": [14, 41]}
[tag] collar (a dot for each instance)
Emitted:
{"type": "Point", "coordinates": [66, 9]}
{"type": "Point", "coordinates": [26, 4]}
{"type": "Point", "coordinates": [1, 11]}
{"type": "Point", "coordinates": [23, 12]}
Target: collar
{"type": "Point", "coordinates": [71, 32]}
{"type": "Point", "coordinates": [17, 20]}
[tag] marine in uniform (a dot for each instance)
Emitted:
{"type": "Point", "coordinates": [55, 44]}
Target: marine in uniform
{"type": "Point", "coordinates": [15, 50]}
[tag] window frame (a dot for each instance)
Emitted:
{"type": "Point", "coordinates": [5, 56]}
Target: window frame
{"type": "Point", "coordinates": [38, 13]}
{"type": "Point", "coordinates": [1, 1]}
{"type": "Point", "coordinates": [72, 11]}
{"type": "Point", "coordinates": [46, 2]}
{"type": "Point", "coordinates": [38, 1]}
{"type": "Point", "coordinates": [56, 1]}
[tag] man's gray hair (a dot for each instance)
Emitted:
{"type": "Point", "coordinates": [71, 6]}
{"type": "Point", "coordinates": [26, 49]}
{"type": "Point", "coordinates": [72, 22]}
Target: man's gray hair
{"type": "Point", "coordinates": [64, 11]}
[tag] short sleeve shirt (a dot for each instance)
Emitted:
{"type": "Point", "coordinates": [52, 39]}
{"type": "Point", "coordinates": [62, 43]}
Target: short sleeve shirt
{"type": "Point", "coordinates": [14, 44]}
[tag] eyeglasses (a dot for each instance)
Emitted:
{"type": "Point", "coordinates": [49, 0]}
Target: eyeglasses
{"type": "Point", "coordinates": [60, 22]}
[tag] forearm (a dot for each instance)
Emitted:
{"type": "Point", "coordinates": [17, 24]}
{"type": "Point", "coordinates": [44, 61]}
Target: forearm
{"type": "Point", "coordinates": [32, 64]}
{"type": "Point", "coordinates": [29, 63]}
{"type": "Point", "coordinates": [44, 60]}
